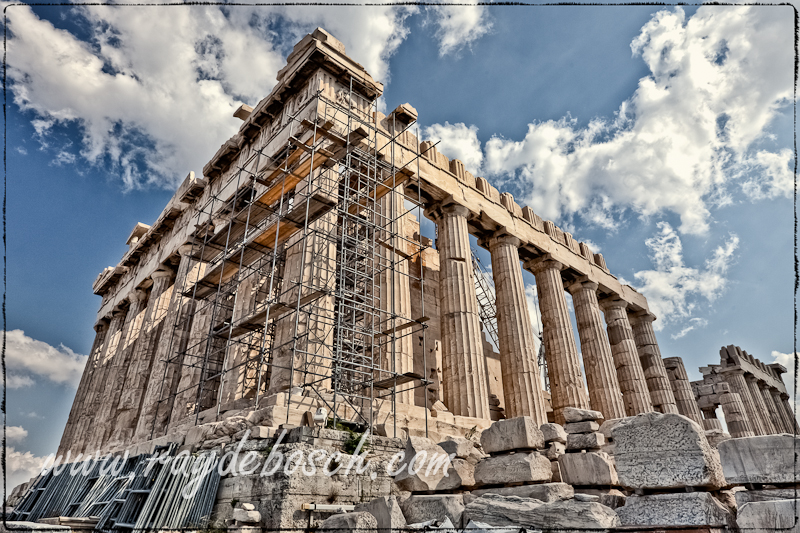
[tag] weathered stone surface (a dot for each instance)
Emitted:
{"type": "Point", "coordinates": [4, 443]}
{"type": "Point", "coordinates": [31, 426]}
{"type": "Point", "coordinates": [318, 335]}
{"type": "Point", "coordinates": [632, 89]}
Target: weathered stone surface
{"type": "Point", "coordinates": [762, 459]}
{"type": "Point", "coordinates": [357, 522]}
{"type": "Point", "coordinates": [423, 455]}
{"type": "Point", "coordinates": [681, 509]}
{"type": "Point", "coordinates": [593, 468]}
{"type": "Point", "coordinates": [386, 511]}
{"type": "Point", "coordinates": [588, 426]}
{"type": "Point", "coordinates": [421, 508]}
{"type": "Point", "coordinates": [460, 474]}
{"type": "Point", "coordinates": [546, 492]}
{"type": "Point", "coordinates": [585, 441]}
{"type": "Point", "coordinates": [746, 496]}
{"type": "Point", "coordinates": [247, 517]}
{"type": "Point", "coordinates": [556, 471]}
{"type": "Point", "coordinates": [607, 426]}
{"type": "Point", "coordinates": [554, 451]}
{"type": "Point", "coordinates": [30, 526]}
{"type": "Point", "coordinates": [553, 433]}
{"type": "Point", "coordinates": [513, 468]}
{"type": "Point", "coordinates": [248, 507]}
{"type": "Point", "coordinates": [459, 446]}
{"type": "Point", "coordinates": [715, 436]}
{"type": "Point", "coordinates": [654, 450]}
{"type": "Point", "coordinates": [444, 524]}
{"type": "Point", "coordinates": [770, 516]}
{"type": "Point", "coordinates": [572, 414]}
{"type": "Point", "coordinates": [480, 527]}
{"type": "Point", "coordinates": [521, 433]}
{"type": "Point", "coordinates": [587, 498]}
{"type": "Point", "coordinates": [525, 512]}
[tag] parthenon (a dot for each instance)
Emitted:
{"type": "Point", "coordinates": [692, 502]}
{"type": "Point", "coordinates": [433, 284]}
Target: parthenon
{"type": "Point", "coordinates": [289, 287]}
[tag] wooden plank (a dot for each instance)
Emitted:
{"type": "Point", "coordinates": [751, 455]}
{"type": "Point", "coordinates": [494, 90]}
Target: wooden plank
{"type": "Point", "coordinates": [409, 324]}
{"type": "Point", "coordinates": [402, 379]}
{"type": "Point", "coordinates": [381, 190]}
{"type": "Point", "coordinates": [258, 320]}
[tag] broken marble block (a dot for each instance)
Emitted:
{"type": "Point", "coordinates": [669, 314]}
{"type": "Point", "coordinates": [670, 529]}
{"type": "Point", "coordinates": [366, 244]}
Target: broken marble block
{"type": "Point", "coordinates": [573, 414]}
{"type": "Point", "coordinates": [763, 459]}
{"type": "Point", "coordinates": [554, 451]}
{"type": "Point", "coordinates": [545, 492]}
{"type": "Point", "coordinates": [587, 426]}
{"type": "Point", "coordinates": [356, 522]}
{"type": "Point", "coordinates": [425, 507]}
{"type": "Point", "coordinates": [520, 433]}
{"type": "Point", "coordinates": [387, 513]}
{"type": "Point", "coordinates": [585, 441]}
{"type": "Point", "coordinates": [460, 474]}
{"type": "Point", "coordinates": [513, 468]}
{"type": "Point", "coordinates": [458, 446]}
{"type": "Point", "coordinates": [588, 469]}
{"type": "Point", "coordinates": [570, 515]}
{"type": "Point", "coordinates": [553, 433]}
{"type": "Point", "coordinates": [429, 464]}
{"type": "Point", "coordinates": [769, 517]}
{"type": "Point", "coordinates": [662, 451]}
{"type": "Point", "coordinates": [680, 509]}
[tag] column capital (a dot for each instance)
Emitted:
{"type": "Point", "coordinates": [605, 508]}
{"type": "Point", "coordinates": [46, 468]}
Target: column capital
{"type": "Point", "coordinates": [101, 324]}
{"type": "Point", "coordinates": [185, 249]}
{"type": "Point", "coordinates": [138, 294]}
{"type": "Point", "coordinates": [545, 262]}
{"type": "Point", "coordinates": [446, 207]}
{"type": "Point", "coordinates": [117, 313]}
{"type": "Point", "coordinates": [731, 370]}
{"type": "Point", "coordinates": [612, 301]}
{"type": "Point", "coordinates": [582, 284]}
{"type": "Point", "coordinates": [643, 316]}
{"type": "Point", "coordinates": [158, 274]}
{"type": "Point", "coordinates": [500, 236]}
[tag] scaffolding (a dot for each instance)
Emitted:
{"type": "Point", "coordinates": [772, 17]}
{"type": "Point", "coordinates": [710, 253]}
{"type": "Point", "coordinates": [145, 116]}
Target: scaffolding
{"type": "Point", "coordinates": [298, 253]}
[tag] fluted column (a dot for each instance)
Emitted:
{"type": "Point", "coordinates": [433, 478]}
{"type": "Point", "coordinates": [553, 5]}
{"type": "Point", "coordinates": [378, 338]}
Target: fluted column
{"type": "Point", "coordinates": [682, 389]}
{"type": "Point", "coordinates": [654, 371]}
{"type": "Point", "coordinates": [78, 404]}
{"type": "Point", "coordinates": [710, 420]}
{"type": "Point", "coordinates": [735, 378]}
{"type": "Point", "coordinates": [772, 409]}
{"type": "Point", "coordinates": [138, 374]}
{"type": "Point", "coordinates": [735, 415]}
{"type": "Point", "coordinates": [785, 417]}
{"type": "Point", "coordinates": [87, 426]}
{"type": "Point", "coordinates": [170, 343]}
{"type": "Point", "coordinates": [186, 399]}
{"type": "Point", "coordinates": [466, 389]}
{"type": "Point", "coordinates": [790, 414]}
{"type": "Point", "coordinates": [115, 378]}
{"type": "Point", "coordinates": [563, 365]}
{"type": "Point", "coordinates": [522, 386]}
{"type": "Point", "coordinates": [397, 353]}
{"type": "Point", "coordinates": [630, 376]}
{"type": "Point", "coordinates": [761, 408]}
{"type": "Point", "coordinates": [598, 362]}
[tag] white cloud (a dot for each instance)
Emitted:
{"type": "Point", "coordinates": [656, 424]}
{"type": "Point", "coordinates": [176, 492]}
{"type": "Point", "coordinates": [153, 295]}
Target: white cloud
{"type": "Point", "coordinates": [459, 26]}
{"type": "Point", "coordinates": [16, 433]}
{"type": "Point", "coordinates": [154, 95]}
{"type": "Point", "coordinates": [457, 141]}
{"type": "Point", "coordinates": [682, 140]}
{"type": "Point", "coordinates": [673, 290]}
{"type": "Point", "coordinates": [787, 360]}
{"type": "Point", "coordinates": [693, 324]}
{"type": "Point", "coordinates": [28, 358]}
{"type": "Point", "coordinates": [21, 466]}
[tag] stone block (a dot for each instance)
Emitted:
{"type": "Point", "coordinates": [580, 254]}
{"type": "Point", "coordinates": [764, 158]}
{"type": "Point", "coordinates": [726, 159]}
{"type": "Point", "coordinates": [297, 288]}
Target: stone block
{"type": "Point", "coordinates": [356, 522]}
{"type": "Point", "coordinates": [569, 515]}
{"type": "Point", "coordinates": [246, 517]}
{"type": "Point", "coordinates": [746, 496]}
{"type": "Point", "coordinates": [553, 433]}
{"type": "Point", "coordinates": [682, 509]}
{"type": "Point", "coordinates": [762, 459]}
{"type": "Point", "coordinates": [423, 456]}
{"type": "Point", "coordinates": [554, 451]}
{"type": "Point", "coordinates": [607, 426]}
{"type": "Point", "coordinates": [656, 451]}
{"type": "Point", "coordinates": [459, 446]}
{"type": "Point", "coordinates": [386, 511]}
{"type": "Point", "coordinates": [460, 474]}
{"type": "Point", "coordinates": [715, 436]}
{"type": "Point", "coordinates": [588, 426]}
{"type": "Point", "coordinates": [248, 507]}
{"type": "Point", "coordinates": [587, 498]}
{"type": "Point", "coordinates": [514, 468]}
{"type": "Point", "coordinates": [555, 470]}
{"type": "Point", "coordinates": [587, 469]}
{"type": "Point", "coordinates": [585, 441]}
{"type": "Point", "coordinates": [572, 414]}
{"type": "Point", "coordinates": [520, 433]}
{"type": "Point", "coordinates": [425, 507]}
{"type": "Point", "coordinates": [770, 516]}
{"type": "Point", "coordinates": [545, 492]}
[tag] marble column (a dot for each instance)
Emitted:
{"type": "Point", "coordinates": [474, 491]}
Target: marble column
{"type": "Point", "coordinates": [563, 365]}
{"type": "Point", "coordinates": [78, 405]}
{"type": "Point", "coordinates": [787, 409]}
{"type": "Point", "coordinates": [522, 385]}
{"type": "Point", "coordinates": [785, 417]}
{"type": "Point", "coordinates": [172, 340]}
{"type": "Point", "coordinates": [466, 389]}
{"type": "Point", "coordinates": [761, 408]}
{"type": "Point", "coordinates": [710, 420]}
{"type": "Point", "coordinates": [682, 389]}
{"type": "Point", "coordinates": [735, 415]}
{"type": "Point", "coordinates": [735, 378]}
{"type": "Point", "coordinates": [233, 380]}
{"type": "Point", "coordinates": [630, 376]}
{"type": "Point", "coordinates": [186, 395]}
{"type": "Point", "coordinates": [138, 374]}
{"type": "Point", "coordinates": [657, 382]}
{"type": "Point", "coordinates": [397, 350]}
{"type": "Point", "coordinates": [772, 409]}
{"type": "Point", "coordinates": [598, 362]}
{"type": "Point", "coordinates": [88, 427]}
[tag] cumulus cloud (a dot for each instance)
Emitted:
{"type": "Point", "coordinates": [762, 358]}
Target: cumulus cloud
{"type": "Point", "coordinates": [28, 359]}
{"type": "Point", "coordinates": [457, 141]}
{"type": "Point", "coordinates": [686, 138]}
{"type": "Point", "coordinates": [787, 360]}
{"type": "Point", "coordinates": [21, 466]}
{"type": "Point", "coordinates": [16, 433]}
{"type": "Point", "coordinates": [459, 26]}
{"type": "Point", "coordinates": [673, 289]}
{"type": "Point", "coordinates": [153, 95]}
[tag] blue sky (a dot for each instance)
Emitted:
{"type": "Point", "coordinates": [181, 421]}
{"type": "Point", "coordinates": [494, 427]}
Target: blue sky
{"type": "Point", "coordinates": [663, 136]}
